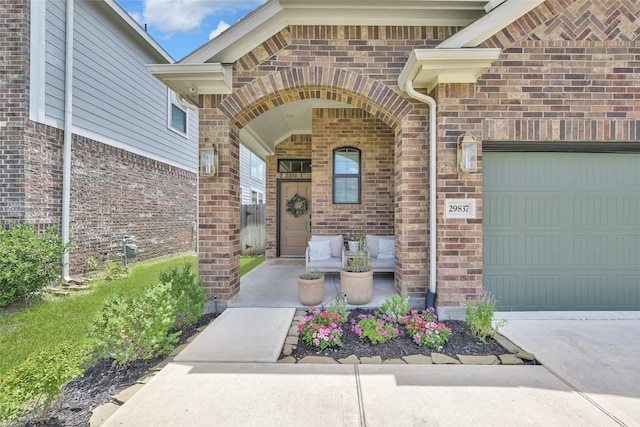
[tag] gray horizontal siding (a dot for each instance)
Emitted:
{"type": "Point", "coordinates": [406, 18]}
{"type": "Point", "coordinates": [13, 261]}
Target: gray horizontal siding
{"type": "Point", "coordinates": [114, 96]}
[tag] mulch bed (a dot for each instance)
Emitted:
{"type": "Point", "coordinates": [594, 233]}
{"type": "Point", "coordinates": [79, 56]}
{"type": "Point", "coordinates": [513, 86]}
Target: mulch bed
{"type": "Point", "coordinates": [461, 341]}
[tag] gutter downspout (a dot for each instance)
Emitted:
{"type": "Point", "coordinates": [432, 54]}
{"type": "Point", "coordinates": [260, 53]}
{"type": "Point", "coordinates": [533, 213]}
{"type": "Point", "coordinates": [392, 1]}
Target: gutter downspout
{"type": "Point", "coordinates": [433, 157]}
{"type": "Point", "coordinates": [68, 119]}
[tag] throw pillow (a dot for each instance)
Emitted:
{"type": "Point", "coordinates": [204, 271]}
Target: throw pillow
{"type": "Point", "coordinates": [319, 250]}
{"type": "Point", "coordinates": [386, 249]}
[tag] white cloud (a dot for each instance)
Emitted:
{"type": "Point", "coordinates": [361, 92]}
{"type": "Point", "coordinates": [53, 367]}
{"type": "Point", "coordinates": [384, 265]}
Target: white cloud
{"type": "Point", "coordinates": [221, 27]}
{"type": "Point", "coordinates": [170, 16]}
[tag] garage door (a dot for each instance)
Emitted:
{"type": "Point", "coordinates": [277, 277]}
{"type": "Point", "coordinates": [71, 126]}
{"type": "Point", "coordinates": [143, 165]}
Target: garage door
{"type": "Point", "coordinates": [562, 230]}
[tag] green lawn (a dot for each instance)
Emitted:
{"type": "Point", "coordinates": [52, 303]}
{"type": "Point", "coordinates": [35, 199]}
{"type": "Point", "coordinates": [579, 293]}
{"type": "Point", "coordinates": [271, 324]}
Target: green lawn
{"type": "Point", "coordinates": [43, 324]}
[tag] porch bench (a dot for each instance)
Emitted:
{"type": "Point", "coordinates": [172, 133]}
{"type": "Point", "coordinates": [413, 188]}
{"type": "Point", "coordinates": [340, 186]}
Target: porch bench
{"type": "Point", "coordinates": [325, 253]}
{"type": "Point", "coordinates": [382, 253]}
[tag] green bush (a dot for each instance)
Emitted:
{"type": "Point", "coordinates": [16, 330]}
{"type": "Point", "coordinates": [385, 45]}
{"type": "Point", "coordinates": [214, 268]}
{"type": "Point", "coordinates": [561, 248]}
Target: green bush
{"type": "Point", "coordinates": [114, 270]}
{"type": "Point", "coordinates": [479, 317]}
{"type": "Point", "coordinates": [129, 329]}
{"type": "Point", "coordinates": [28, 262]}
{"type": "Point", "coordinates": [397, 307]}
{"type": "Point", "coordinates": [35, 386]}
{"type": "Point", "coordinates": [189, 296]}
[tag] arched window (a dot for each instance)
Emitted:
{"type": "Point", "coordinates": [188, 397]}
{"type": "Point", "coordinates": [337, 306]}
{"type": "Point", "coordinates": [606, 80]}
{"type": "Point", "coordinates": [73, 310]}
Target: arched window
{"type": "Point", "coordinates": [346, 175]}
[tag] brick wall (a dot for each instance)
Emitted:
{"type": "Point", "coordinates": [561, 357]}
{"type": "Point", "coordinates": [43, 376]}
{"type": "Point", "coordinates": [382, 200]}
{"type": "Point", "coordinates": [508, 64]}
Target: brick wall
{"type": "Point", "coordinates": [14, 106]}
{"type": "Point", "coordinates": [115, 193]}
{"type": "Point", "coordinates": [335, 128]}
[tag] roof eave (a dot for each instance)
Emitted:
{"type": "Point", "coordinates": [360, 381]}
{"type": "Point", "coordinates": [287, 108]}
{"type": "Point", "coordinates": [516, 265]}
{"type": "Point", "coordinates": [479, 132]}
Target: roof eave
{"type": "Point", "coordinates": [191, 80]}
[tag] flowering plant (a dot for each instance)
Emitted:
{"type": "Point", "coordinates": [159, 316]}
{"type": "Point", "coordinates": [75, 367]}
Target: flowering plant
{"type": "Point", "coordinates": [424, 329]}
{"type": "Point", "coordinates": [376, 329]}
{"type": "Point", "coordinates": [321, 328]}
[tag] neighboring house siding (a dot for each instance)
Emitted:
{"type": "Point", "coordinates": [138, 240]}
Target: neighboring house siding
{"type": "Point", "coordinates": [114, 98]}
{"type": "Point", "coordinates": [248, 183]}
{"type": "Point", "coordinates": [127, 177]}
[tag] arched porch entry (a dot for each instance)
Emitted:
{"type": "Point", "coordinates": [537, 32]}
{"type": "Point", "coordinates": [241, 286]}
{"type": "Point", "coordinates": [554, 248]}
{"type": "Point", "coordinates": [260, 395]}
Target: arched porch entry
{"type": "Point", "coordinates": [222, 118]}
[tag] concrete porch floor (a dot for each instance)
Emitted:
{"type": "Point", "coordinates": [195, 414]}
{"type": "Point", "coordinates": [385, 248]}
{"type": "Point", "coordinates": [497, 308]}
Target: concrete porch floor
{"type": "Point", "coordinates": [274, 284]}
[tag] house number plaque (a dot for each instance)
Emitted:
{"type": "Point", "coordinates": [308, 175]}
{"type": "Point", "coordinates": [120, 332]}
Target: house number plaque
{"type": "Point", "coordinates": [460, 208]}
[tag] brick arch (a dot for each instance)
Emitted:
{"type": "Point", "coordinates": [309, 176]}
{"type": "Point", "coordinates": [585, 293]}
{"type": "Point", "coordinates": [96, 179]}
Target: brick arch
{"type": "Point", "coordinates": [289, 85]}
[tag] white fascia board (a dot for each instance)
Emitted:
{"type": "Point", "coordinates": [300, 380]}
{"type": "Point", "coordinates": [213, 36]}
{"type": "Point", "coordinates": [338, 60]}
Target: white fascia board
{"type": "Point", "coordinates": [135, 26]}
{"type": "Point", "coordinates": [191, 80]}
{"type": "Point", "coordinates": [490, 24]}
{"type": "Point", "coordinates": [260, 24]}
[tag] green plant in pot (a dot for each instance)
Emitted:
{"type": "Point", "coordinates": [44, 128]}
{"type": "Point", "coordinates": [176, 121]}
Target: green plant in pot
{"type": "Point", "coordinates": [311, 288]}
{"type": "Point", "coordinates": [354, 240]}
{"type": "Point", "coordinates": [356, 278]}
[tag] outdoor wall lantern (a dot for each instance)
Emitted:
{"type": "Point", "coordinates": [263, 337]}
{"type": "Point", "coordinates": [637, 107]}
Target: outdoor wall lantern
{"type": "Point", "coordinates": [467, 154]}
{"type": "Point", "coordinates": [208, 161]}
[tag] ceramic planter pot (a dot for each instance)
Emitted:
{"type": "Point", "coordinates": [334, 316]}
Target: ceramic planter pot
{"type": "Point", "coordinates": [357, 285]}
{"type": "Point", "coordinates": [311, 291]}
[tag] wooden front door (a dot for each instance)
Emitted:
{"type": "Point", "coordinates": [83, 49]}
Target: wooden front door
{"type": "Point", "coordinates": [295, 232]}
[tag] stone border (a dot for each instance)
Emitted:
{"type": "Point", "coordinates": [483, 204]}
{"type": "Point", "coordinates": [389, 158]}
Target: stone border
{"type": "Point", "coordinates": [514, 356]}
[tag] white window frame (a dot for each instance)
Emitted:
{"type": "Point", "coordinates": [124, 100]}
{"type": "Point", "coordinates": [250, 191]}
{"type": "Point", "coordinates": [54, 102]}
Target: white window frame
{"type": "Point", "coordinates": [259, 197]}
{"type": "Point", "coordinates": [172, 100]}
{"type": "Point", "coordinates": [259, 174]}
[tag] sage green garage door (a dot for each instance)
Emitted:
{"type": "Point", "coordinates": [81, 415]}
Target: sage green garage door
{"type": "Point", "coordinates": [562, 230]}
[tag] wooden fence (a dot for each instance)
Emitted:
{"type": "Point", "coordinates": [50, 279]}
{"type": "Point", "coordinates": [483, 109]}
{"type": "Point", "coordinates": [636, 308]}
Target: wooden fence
{"type": "Point", "coordinates": [252, 229]}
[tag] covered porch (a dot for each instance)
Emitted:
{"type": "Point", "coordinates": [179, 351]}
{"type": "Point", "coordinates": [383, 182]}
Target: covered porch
{"type": "Point", "coordinates": [274, 284]}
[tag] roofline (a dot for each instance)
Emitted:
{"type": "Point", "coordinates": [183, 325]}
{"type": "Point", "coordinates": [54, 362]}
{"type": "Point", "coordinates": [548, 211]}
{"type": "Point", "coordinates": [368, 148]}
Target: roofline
{"type": "Point", "coordinates": [135, 26]}
{"type": "Point", "coordinates": [273, 16]}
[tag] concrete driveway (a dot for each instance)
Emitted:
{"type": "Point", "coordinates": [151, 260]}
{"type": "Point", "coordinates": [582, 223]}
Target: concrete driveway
{"type": "Point", "coordinates": [595, 353]}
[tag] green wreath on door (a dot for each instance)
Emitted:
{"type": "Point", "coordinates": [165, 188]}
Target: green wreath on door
{"type": "Point", "coordinates": [297, 205]}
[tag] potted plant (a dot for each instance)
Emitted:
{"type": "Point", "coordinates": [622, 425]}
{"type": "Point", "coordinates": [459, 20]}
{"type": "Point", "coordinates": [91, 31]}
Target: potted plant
{"type": "Point", "coordinates": [354, 240]}
{"type": "Point", "coordinates": [356, 278]}
{"type": "Point", "coordinates": [311, 288]}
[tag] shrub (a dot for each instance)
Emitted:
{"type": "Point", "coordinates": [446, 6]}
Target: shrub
{"type": "Point", "coordinates": [424, 330]}
{"type": "Point", "coordinates": [186, 290]}
{"type": "Point", "coordinates": [376, 329]}
{"type": "Point", "coordinates": [321, 329]}
{"type": "Point", "coordinates": [397, 307]}
{"type": "Point", "coordinates": [28, 262]}
{"type": "Point", "coordinates": [35, 386]}
{"type": "Point", "coordinates": [136, 329]}
{"type": "Point", "coordinates": [339, 307]}
{"type": "Point", "coordinates": [479, 317]}
{"type": "Point", "coordinates": [114, 270]}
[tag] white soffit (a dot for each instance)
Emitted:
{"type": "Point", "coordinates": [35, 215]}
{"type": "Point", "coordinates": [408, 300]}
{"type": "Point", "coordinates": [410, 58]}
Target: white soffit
{"type": "Point", "coordinates": [190, 80]}
{"type": "Point", "coordinates": [426, 68]}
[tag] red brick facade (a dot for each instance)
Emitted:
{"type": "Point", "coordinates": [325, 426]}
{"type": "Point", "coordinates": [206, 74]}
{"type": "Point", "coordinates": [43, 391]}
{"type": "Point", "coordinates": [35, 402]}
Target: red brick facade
{"type": "Point", "coordinates": [568, 72]}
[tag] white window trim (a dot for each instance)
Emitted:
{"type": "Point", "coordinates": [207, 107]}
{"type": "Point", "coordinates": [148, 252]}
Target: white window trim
{"type": "Point", "coordinates": [37, 70]}
{"type": "Point", "coordinates": [261, 193]}
{"type": "Point", "coordinates": [170, 104]}
{"type": "Point", "coordinates": [260, 178]}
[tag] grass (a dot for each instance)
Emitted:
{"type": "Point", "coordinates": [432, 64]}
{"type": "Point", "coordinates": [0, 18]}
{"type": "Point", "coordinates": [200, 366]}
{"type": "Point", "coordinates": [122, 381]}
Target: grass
{"type": "Point", "coordinates": [43, 324]}
{"type": "Point", "coordinates": [248, 263]}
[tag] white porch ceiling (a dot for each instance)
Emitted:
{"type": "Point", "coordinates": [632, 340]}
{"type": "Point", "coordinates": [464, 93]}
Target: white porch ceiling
{"type": "Point", "coordinates": [263, 133]}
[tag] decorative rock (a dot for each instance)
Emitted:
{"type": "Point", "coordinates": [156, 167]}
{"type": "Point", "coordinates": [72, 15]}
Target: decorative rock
{"type": "Point", "coordinates": [300, 313]}
{"type": "Point", "coordinates": [525, 355]}
{"type": "Point", "coordinates": [417, 359]}
{"type": "Point", "coordinates": [351, 360]}
{"type": "Point", "coordinates": [375, 360]}
{"type": "Point", "coordinates": [177, 350]}
{"type": "Point", "coordinates": [293, 331]}
{"type": "Point", "coordinates": [288, 359]}
{"type": "Point", "coordinates": [443, 359]}
{"type": "Point", "coordinates": [145, 379]}
{"type": "Point", "coordinates": [478, 360]}
{"type": "Point", "coordinates": [101, 413]}
{"type": "Point", "coordinates": [193, 337]}
{"type": "Point", "coordinates": [287, 349]}
{"type": "Point", "coordinates": [506, 343]}
{"type": "Point", "coordinates": [126, 394]}
{"type": "Point", "coordinates": [320, 360]}
{"type": "Point", "coordinates": [394, 362]}
{"type": "Point", "coordinates": [291, 340]}
{"type": "Point", "coordinates": [511, 359]}
{"type": "Point", "coordinates": [162, 364]}
{"type": "Point", "coordinates": [298, 318]}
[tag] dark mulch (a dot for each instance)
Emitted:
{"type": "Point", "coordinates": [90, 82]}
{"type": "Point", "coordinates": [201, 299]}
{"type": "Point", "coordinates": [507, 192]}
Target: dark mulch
{"type": "Point", "coordinates": [461, 341]}
{"type": "Point", "coordinates": [103, 380]}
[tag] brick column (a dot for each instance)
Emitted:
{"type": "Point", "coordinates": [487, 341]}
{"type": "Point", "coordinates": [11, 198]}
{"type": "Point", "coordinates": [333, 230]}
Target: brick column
{"type": "Point", "coordinates": [219, 206]}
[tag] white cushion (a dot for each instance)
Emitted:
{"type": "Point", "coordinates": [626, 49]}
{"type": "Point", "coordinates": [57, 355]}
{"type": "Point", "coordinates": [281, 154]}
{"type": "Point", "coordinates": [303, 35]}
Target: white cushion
{"type": "Point", "coordinates": [373, 245]}
{"type": "Point", "coordinates": [319, 250]}
{"type": "Point", "coordinates": [337, 244]}
{"type": "Point", "coordinates": [386, 249]}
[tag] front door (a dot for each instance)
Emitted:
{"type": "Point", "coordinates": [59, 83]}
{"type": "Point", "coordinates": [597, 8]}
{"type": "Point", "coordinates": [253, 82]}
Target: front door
{"type": "Point", "coordinates": [294, 231]}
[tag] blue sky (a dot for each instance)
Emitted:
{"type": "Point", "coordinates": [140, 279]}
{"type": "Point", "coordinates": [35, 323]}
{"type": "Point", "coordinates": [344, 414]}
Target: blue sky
{"type": "Point", "coordinates": [181, 26]}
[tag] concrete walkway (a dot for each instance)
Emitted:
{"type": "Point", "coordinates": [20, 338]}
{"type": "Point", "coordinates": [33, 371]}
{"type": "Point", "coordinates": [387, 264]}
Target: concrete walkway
{"type": "Point", "coordinates": [589, 378]}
